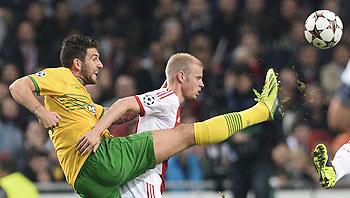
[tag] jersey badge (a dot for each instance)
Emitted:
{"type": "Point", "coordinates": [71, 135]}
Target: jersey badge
{"type": "Point", "coordinates": [40, 73]}
{"type": "Point", "coordinates": [148, 100]}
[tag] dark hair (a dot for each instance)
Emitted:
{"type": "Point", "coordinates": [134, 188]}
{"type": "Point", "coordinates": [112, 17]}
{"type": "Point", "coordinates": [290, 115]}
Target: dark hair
{"type": "Point", "coordinates": [75, 46]}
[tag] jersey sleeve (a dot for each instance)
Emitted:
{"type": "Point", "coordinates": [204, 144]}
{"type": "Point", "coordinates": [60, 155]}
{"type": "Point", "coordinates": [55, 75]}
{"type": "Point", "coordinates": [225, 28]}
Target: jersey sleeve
{"type": "Point", "coordinates": [99, 110]}
{"type": "Point", "coordinates": [47, 82]}
{"type": "Point", "coordinates": [150, 104]}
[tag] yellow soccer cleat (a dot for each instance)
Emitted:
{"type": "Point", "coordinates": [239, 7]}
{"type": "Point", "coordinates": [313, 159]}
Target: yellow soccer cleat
{"type": "Point", "coordinates": [324, 166]}
{"type": "Point", "coordinates": [269, 93]}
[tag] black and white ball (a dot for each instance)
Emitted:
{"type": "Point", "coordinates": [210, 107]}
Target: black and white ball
{"type": "Point", "coordinates": [323, 29]}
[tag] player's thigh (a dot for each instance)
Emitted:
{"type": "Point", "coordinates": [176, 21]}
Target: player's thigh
{"type": "Point", "coordinates": [168, 142]}
{"type": "Point", "coordinates": [86, 187]}
{"type": "Point", "coordinates": [127, 157]}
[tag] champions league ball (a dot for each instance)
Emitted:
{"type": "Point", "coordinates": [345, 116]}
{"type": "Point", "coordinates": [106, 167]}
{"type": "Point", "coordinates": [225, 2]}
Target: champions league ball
{"type": "Point", "coordinates": [323, 29]}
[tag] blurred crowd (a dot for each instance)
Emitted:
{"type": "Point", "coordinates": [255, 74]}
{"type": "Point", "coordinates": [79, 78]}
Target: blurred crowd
{"type": "Point", "coordinates": [237, 41]}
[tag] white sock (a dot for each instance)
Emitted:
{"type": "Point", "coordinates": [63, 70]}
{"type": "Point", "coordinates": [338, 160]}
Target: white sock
{"type": "Point", "coordinates": [341, 161]}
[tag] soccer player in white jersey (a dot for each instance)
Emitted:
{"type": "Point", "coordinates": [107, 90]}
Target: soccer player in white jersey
{"type": "Point", "coordinates": [160, 109]}
{"type": "Point", "coordinates": [338, 118]}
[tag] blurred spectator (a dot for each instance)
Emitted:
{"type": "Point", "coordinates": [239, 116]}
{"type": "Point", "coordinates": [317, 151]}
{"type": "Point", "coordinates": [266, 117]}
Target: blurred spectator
{"type": "Point", "coordinates": [114, 52]}
{"type": "Point", "coordinates": [289, 11]}
{"type": "Point", "coordinates": [9, 73]}
{"type": "Point", "coordinates": [315, 107]}
{"type": "Point", "coordinates": [142, 76]}
{"type": "Point", "coordinates": [90, 22]}
{"type": "Point", "coordinates": [6, 19]}
{"type": "Point", "coordinates": [36, 138]}
{"type": "Point", "coordinates": [4, 91]}
{"type": "Point", "coordinates": [281, 158]}
{"type": "Point", "coordinates": [252, 165]}
{"type": "Point", "coordinates": [307, 64]}
{"type": "Point", "coordinates": [41, 167]}
{"type": "Point", "coordinates": [290, 99]}
{"type": "Point", "coordinates": [248, 53]}
{"type": "Point", "coordinates": [14, 184]}
{"type": "Point", "coordinates": [24, 50]}
{"type": "Point", "coordinates": [196, 17]}
{"type": "Point", "coordinates": [184, 166]}
{"type": "Point", "coordinates": [36, 15]}
{"type": "Point", "coordinates": [124, 85]}
{"type": "Point", "coordinates": [287, 46]}
{"type": "Point", "coordinates": [225, 18]}
{"type": "Point", "coordinates": [171, 39]}
{"type": "Point", "coordinates": [11, 141]}
{"type": "Point", "coordinates": [155, 61]}
{"type": "Point", "coordinates": [331, 71]}
{"type": "Point", "coordinates": [38, 167]}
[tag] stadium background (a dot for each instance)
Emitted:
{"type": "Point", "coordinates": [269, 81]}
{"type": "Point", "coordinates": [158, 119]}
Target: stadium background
{"type": "Point", "coordinates": [237, 40]}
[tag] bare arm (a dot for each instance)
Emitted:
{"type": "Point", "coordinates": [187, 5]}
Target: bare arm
{"type": "Point", "coordinates": [22, 91]}
{"type": "Point", "coordinates": [92, 138]}
{"type": "Point", "coordinates": [116, 113]}
{"type": "Point", "coordinates": [126, 117]}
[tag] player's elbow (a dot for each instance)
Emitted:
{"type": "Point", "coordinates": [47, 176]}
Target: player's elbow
{"type": "Point", "coordinates": [17, 86]}
{"type": "Point", "coordinates": [125, 103]}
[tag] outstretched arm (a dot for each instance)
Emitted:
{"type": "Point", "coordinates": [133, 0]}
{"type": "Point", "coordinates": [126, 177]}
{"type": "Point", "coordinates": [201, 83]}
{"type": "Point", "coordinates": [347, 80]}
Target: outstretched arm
{"type": "Point", "coordinates": [126, 117]}
{"type": "Point", "coordinates": [22, 90]}
{"type": "Point", "coordinates": [115, 112]}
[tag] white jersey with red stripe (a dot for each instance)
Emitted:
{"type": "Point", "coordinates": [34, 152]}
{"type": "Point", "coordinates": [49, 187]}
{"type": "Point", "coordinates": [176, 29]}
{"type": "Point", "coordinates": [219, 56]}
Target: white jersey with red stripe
{"type": "Point", "coordinates": [160, 109]}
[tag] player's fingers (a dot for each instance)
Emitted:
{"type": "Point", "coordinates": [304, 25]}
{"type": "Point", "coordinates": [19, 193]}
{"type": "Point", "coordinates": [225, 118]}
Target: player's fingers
{"type": "Point", "coordinates": [80, 143]}
{"type": "Point", "coordinates": [86, 150]}
{"type": "Point", "coordinates": [84, 147]}
{"type": "Point", "coordinates": [96, 146]}
{"type": "Point", "coordinates": [58, 116]}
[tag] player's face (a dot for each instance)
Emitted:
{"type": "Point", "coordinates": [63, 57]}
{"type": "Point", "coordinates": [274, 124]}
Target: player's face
{"type": "Point", "coordinates": [91, 66]}
{"type": "Point", "coordinates": [193, 83]}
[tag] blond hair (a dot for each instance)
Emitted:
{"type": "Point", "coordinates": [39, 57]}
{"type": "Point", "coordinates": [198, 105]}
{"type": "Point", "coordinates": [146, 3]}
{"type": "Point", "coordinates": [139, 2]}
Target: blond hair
{"type": "Point", "coordinates": [180, 62]}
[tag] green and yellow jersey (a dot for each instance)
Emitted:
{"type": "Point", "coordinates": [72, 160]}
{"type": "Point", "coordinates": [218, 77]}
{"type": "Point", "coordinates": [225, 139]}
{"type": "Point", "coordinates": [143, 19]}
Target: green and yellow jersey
{"type": "Point", "coordinates": [64, 94]}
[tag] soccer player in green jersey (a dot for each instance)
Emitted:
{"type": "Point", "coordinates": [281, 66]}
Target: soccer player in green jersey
{"type": "Point", "coordinates": [74, 119]}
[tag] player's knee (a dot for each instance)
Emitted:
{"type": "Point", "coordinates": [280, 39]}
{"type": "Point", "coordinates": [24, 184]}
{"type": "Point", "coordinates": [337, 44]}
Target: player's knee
{"type": "Point", "coordinates": [186, 131]}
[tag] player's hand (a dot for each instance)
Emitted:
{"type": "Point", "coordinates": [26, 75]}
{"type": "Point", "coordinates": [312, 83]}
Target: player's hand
{"type": "Point", "coordinates": [47, 118]}
{"type": "Point", "coordinates": [89, 141]}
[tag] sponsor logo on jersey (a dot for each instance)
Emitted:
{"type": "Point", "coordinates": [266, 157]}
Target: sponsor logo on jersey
{"type": "Point", "coordinates": [91, 108]}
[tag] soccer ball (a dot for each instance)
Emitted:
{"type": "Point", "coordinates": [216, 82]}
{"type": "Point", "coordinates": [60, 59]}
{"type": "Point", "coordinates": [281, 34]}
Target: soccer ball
{"type": "Point", "coordinates": [323, 29]}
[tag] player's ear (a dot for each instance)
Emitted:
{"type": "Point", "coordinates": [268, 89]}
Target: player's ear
{"type": "Point", "coordinates": [77, 63]}
{"type": "Point", "coordinates": [181, 76]}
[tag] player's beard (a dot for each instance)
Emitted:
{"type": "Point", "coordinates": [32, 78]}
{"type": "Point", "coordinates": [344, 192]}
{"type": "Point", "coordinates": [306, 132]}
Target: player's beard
{"type": "Point", "coordinates": [88, 76]}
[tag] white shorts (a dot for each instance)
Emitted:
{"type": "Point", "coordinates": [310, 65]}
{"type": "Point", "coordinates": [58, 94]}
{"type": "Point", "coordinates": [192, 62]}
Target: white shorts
{"type": "Point", "coordinates": [143, 187]}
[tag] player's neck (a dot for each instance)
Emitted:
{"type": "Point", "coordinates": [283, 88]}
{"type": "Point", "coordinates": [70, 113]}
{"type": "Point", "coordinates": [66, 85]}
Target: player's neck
{"type": "Point", "coordinates": [177, 90]}
{"type": "Point", "coordinates": [78, 76]}
{"type": "Point", "coordinates": [80, 80]}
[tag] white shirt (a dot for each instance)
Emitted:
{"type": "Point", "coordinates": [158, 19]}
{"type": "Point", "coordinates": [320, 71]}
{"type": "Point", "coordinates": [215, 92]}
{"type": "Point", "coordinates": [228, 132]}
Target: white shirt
{"type": "Point", "coordinates": [160, 109]}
